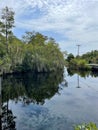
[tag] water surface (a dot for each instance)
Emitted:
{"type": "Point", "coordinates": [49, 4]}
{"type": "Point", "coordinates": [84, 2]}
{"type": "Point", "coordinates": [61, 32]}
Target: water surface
{"type": "Point", "coordinates": [55, 101]}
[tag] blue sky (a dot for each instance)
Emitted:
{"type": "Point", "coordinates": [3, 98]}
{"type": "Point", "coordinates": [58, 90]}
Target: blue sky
{"type": "Point", "coordinates": [69, 22]}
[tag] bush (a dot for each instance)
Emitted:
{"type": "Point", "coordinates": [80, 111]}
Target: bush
{"type": "Point", "coordinates": [89, 126]}
{"type": "Point", "coordinates": [78, 64]}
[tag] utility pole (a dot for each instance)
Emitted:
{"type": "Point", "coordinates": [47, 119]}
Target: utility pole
{"type": "Point", "coordinates": [78, 49]}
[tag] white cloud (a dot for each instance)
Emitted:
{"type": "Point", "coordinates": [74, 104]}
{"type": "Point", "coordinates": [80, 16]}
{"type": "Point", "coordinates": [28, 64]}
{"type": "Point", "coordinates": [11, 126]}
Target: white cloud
{"type": "Point", "coordinates": [75, 19]}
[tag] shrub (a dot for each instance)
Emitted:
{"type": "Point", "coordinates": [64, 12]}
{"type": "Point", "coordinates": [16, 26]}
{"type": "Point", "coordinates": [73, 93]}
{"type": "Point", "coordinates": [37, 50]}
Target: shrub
{"type": "Point", "coordinates": [89, 126]}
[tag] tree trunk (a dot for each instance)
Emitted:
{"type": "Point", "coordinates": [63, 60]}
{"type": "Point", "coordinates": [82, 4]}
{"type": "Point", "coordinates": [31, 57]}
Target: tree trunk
{"type": "Point", "coordinates": [6, 33]}
{"type": "Point", "coordinates": [0, 107]}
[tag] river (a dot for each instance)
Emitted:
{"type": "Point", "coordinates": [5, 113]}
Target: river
{"type": "Point", "coordinates": [55, 101]}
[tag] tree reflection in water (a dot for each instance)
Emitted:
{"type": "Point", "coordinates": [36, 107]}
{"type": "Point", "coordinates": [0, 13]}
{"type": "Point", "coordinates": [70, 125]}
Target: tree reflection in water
{"type": "Point", "coordinates": [82, 73]}
{"type": "Point", "coordinates": [31, 87]}
{"type": "Point", "coordinates": [7, 121]}
{"type": "Point", "coordinates": [27, 88]}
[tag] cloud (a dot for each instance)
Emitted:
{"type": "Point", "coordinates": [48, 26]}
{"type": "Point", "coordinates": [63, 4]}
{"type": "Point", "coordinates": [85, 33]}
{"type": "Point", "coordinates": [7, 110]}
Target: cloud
{"type": "Point", "coordinates": [76, 20]}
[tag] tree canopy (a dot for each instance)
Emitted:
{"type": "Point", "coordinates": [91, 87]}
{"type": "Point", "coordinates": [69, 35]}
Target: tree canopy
{"type": "Point", "coordinates": [6, 23]}
{"type": "Point", "coordinates": [35, 52]}
{"type": "Point", "coordinates": [81, 62]}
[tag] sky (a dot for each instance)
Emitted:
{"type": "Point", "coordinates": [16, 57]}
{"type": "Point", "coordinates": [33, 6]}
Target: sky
{"type": "Point", "coordinates": [69, 22]}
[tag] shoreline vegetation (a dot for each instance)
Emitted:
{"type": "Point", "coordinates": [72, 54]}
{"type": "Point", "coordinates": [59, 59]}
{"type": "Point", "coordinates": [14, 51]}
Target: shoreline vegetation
{"type": "Point", "coordinates": [86, 126]}
{"type": "Point", "coordinates": [35, 52]}
{"type": "Point", "coordinates": [36, 57]}
{"type": "Point", "coordinates": [85, 62]}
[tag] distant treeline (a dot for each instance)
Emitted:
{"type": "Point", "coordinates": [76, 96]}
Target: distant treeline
{"type": "Point", "coordinates": [81, 62]}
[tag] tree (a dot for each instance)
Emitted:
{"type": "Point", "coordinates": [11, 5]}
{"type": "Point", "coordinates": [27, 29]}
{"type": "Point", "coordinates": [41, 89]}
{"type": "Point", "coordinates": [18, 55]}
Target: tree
{"type": "Point", "coordinates": [6, 23]}
{"type": "Point", "coordinates": [70, 57]}
{"type": "Point", "coordinates": [35, 38]}
{"type": "Point", "coordinates": [2, 46]}
{"type": "Point", "coordinates": [27, 38]}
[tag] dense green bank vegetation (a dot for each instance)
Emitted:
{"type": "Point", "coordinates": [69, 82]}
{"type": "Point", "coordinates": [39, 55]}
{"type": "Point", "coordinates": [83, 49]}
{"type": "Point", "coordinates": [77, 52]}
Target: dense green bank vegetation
{"type": "Point", "coordinates": [81, 62]}
{"type": "Point", "coordinates": [35, 52]}
{"type": "Point", "coordinates": [85, 126]}
{"type": "Point", "coordinates": [39, 57]}
{"type": "Point", "coordinates": [91, 57]}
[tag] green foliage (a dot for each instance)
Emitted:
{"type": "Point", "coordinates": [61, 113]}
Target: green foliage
{"type": "Point", "coordinates": [70, 57]}
{"type": "Point", "coordinates": [16, 53]}
{"type": "Point", "coordinates": [43, 58]}
{"type": "Point", "coordinates": [91, 57]}
{"type": "Point", "coordinates": [78, 63]}
{"type": "Point", "coordinates": [10, 61]}
{"type": "Point", "coordinates": [81, 62]}
{"type": "Point", "coordinates": [6, 23]}
{"type": "Point", "coordinates": [89, 126]}
{"type": "Point", "coordinates": [39, 53]}
{"type": "Point", "coordinates": [2, 50]}
{"type": "Point", "coordinates": [34, 38]}
{"type": "Point", "coordinates": [5, 64]}
{"type": "Point", "coordinates": [7, 19]}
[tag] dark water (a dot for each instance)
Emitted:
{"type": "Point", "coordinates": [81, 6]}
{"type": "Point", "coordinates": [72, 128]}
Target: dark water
{"type": "Point", "coordinates": [55, 101]}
